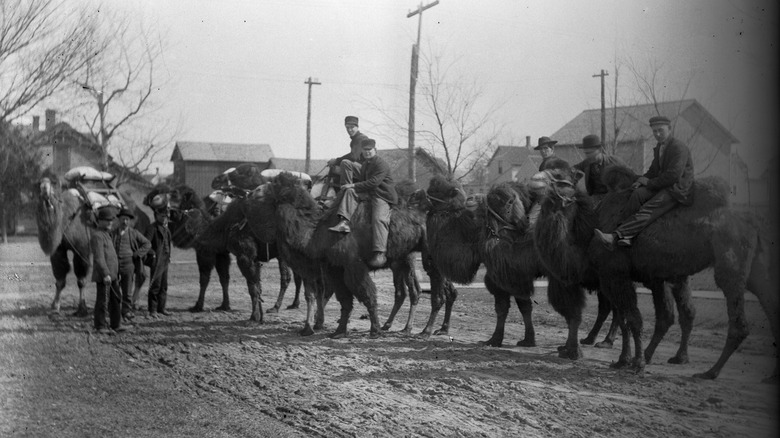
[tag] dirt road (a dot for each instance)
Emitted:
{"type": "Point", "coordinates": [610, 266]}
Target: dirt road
{"type": "Point", "coordinates": [216, 374]}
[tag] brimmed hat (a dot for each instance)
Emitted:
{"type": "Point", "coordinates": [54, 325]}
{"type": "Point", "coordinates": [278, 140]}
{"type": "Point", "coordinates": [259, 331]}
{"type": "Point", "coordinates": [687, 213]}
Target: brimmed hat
{"type": "Point", "coordinates": [543, 141]}
{"type": "Point", "coordinates": [125, 212]}
{"type": "Point", "coordinates": [590, 141]}
{"type": "Point", "coordinates": [351, 120]}
{"type": "Point", "coordinates": [660, 120]}
{"type": "Point", "coordinates": [106, 214]}
{"type": "Point", "coordinates": [368, 143]}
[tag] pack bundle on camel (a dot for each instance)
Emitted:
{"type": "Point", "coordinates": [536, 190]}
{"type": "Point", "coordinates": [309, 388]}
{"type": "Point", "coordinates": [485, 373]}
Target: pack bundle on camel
{"type": "Point", "coordinates": [65, 220]}
{"type": "Point", "coordinates": [284, 211]}
{"type": "Point", "coordinates": [681, 243]}
{"type": "Point", "coordinates": [493, 230]}
{"type": "Point", "coordinates": [236, 183]}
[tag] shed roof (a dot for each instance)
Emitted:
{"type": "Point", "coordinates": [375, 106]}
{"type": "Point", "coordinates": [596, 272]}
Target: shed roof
{"type": "Point", "coordinates": [231, 152]}
{"type": "Point", "coordinates": [632, 121]}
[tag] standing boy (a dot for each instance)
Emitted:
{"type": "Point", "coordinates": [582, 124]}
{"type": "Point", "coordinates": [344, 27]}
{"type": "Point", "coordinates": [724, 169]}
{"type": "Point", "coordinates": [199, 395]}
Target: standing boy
{"type": "Point", "coordinates": [160, 237]}
{"type": "Point", "coordinates": [131, 246]}
{"type": "Point", "coordinates": [105, 268]}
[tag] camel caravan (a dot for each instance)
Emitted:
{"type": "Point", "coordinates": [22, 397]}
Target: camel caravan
{"type": "Point", "coordinates": [553, 226]}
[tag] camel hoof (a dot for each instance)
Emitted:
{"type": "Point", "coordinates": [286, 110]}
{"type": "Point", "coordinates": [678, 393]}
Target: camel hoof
{"type": "Point", "coordinates": [677, 360]}
{"type": "Point", "coordinates": [196, 308]}
{"type": "Point", "coordinates": [442, 331]}
{"type": "Point", "coordinates": [306, 331]}
{"type": "Point", "coordinates": [338, 335]}
{"type": "Point", "coordinates": [571, 354]}
{"type": "Point", "coordinates": [386, 327]}
{"type": "Point", "coordinates": [622, 363]}
{"type": "Point", "coordinates": [223, 308]}
{"type": "Point", "coordinates": [81, 312]}
{"type": "Point", "coordinates": [293, 306]}
{"type": "Point", "coordinates": [319, 326]}
{"type": "Point", "coordinates": [491, 343]}
{"type": "Point", "coordinates": [603, 344]}
{"type": "Point", "coordinates": [425, 334]}
{"type": "Point", "coordinates": [527, 343]}
{"type": "Point", "coordinates": [709, 375]}
{"type": "Point", "coordinates": [273, 309]}
{"type": "Point", "coordinates": [258, 318]}
{"type": "Point", "coordinates": [587, 341]}
{"type": "Point", "coordinates": [375, 335]}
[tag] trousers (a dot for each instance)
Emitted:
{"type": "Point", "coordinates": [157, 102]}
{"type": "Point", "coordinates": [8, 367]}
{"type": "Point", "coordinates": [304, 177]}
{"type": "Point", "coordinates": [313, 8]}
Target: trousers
{"type": "Point", "coordinates": [648, 206]}
{"type": "Point", "coordinates": [108, 300]}
{"type": "Point", "coordinates": [380, 217]}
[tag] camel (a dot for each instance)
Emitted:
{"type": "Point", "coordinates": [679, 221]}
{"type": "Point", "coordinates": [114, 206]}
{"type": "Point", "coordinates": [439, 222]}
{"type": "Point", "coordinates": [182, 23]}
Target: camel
{"type": "Point", "coordinates": [189, 215]}
{"type": "Point", "coordinates": [240, 180]}
{"type": "Point", "coordinates": [681, 243]}
{"type": "Point", "coordinates": [64, 221]}
{"type": "Point", "coordinates": [494, 231]}
{"type": "Point", "coordinates": [283, 210]}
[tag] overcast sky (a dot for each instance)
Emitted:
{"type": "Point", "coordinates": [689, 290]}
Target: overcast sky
{"type": "Point", "coordinates": [237, 68]}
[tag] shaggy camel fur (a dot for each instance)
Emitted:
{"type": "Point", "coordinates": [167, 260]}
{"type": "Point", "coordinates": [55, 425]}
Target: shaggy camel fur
{"type": "Point", "coordinates": [285, 211]}
{"type": "Point", "coordinates": [191, 227]}
{"type": "Point", "coordinates": [496, 233]}
{"type": "Point", "coordinates": [65, 224]}
{"type": "Point", "coordinates": [681, 243]}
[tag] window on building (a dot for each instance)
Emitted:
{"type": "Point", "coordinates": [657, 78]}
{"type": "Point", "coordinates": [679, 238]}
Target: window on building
{"type": "Point", "coordinates": [500, 167]}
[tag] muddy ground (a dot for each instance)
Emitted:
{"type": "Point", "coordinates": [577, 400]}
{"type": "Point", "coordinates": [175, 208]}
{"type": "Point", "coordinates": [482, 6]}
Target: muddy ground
{"type": "Point", "coordinates": [216, 374]}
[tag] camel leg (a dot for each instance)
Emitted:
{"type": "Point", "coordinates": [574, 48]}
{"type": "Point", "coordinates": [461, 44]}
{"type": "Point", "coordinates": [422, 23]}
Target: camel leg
{"type": "Point", "coordinates": [250, 269]}
{"type": "Point", "coordinates": [763, 282]}
{"type": "Point", "coordinates": [81, 268]}
{"type": "Point", "coordinates": [205, 261]}
{"type": "Point", "coordinates": [413, 286]}
{"type": "Point", "coordinates": [605, 307]}
{"type": "Point", "coordinates": [324, 294]}
{"type": "Point", "coordinates": [399, 286]}
{"type": "Point", "coordinates": [526, 310]}
{"type": "Point", "coordinates": [634, 322]}
{"type": "Point", "coordinates": [335, 281]}
{"type": "Point", "coordinates": [609, 340]}
{"type": "Point", "coordinates": [442, 292]}
{"type": "Point", "coordinates": [664, 315]}
{"type": "Point", "coordinates": [625, 349]}
{"type": "Point", "coordinates": [312, 300]}
{"type": "Point", "coordinates": [361, 286]}
{"type": "Point", "coordinates": [297, 301]}
{"type": "Point", "coordinates": [222, 264]}
{"type": "Point", "coordinates": [501, 303]}
{"type": "Point", "coordinates": [682, 297]}
{"type": "Point", "coordinates": [138, 283]}
{"type": "Point", "coordinates": [569, 301]}
{"type": "Point", "coordinates": [284, 282]}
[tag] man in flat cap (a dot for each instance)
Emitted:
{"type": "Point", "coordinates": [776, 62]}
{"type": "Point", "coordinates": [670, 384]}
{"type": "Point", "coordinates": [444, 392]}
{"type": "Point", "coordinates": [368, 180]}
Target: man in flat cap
{"type": "Point", "coordinates": [545, 147]}
{"type": "Point", "coordinates": [375, 184]}
{"type": "Point", "coordinates": [596, 160]}
{"type": "Point", "coordinates": [105, 269]}
{"type": "Point", "coordinates": [668, 182]}
{"type": "Point", "coordinates": [131, 246]}
{"type": "Point", "coordinates": [353, 159]}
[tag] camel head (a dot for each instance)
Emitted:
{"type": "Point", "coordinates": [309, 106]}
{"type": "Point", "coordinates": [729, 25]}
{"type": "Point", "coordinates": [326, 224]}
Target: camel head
{"type": "Point", "coordinates": [505, 209]}
{"type": "Point", "coordinates": [418, 200]}
{"type": "Point", "coordinates": [445, 192]}
{"type": "Point", "coordinates": [557, 183]}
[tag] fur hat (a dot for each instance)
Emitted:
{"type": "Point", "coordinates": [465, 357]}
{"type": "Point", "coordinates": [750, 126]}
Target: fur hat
{"type": "Point", "coordinates": [106, 214]}
{"type": "Point", "coordinates": [660, 120]}
{"type": "Point", "coordinates": [351, 120]}
{"type": "Point", "coordinates": [590, 141]}
{"type": "Point", "coordinates": [543, 141]}
{"type": "Point", "coordinates": [368, 143]}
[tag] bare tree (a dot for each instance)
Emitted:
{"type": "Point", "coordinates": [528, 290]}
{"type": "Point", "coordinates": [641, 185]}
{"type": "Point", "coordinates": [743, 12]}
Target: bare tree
{"type": "Point", "coordinates": [121, 83]}
{"type": "Point", "coordinates": [19, 159]}
{"type": "Point", "coordinates": [652, 86]}
{"type": "Point", "coordinates": [453, 123]}
{"type": "Point", "coordinates": [41, 45]}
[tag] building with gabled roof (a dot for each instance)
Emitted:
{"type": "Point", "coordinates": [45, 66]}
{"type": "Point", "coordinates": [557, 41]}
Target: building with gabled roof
{"type": "Point", "coordinates": [197, 163]}
{"type": "Point", "coordinates": [629, 136]}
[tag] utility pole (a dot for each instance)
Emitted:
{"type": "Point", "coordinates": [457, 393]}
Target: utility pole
{"type": "Point", "coordinates": [603, 109]}
{"type": "Point", "coordinates": [413, 83]}
{"type": "Point", "coordinates": [309, 82]}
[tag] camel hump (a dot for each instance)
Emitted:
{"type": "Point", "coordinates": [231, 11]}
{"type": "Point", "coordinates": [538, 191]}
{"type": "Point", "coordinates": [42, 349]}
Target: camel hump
{"type": "Point", "coordinates": [710, 192]}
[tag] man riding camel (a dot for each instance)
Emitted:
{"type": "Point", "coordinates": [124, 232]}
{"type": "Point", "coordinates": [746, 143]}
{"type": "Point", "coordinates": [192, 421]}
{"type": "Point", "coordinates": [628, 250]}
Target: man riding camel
{"type": "Point", "coordinates": [667, 183]}
{"type": "Point", "coordinates": [373, 182]}
{"type": "Point", "coordinates": [353, 159]}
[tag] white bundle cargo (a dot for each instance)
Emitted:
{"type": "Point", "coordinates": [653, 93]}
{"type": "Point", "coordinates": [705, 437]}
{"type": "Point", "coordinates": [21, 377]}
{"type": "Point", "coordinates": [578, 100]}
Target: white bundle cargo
{"type": "Point", "coordinates": [87, 173]}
